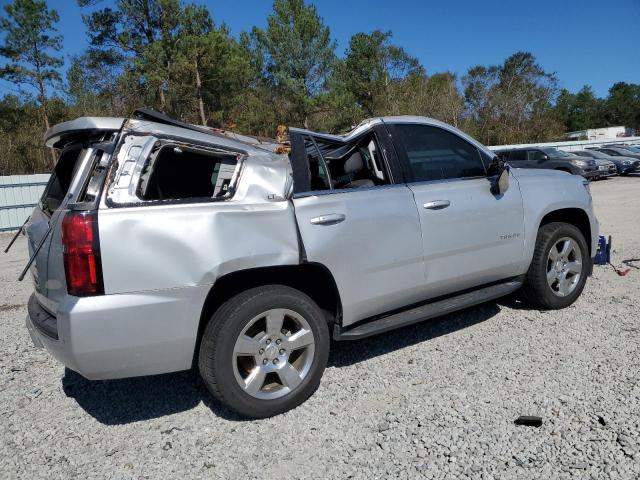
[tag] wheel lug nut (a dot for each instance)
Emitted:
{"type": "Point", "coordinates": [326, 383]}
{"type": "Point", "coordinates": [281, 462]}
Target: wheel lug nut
{"type": "Point", "coordinates": [275, 361]}
{"type": "Point", "coordinates": [282, 351]}
{"type": "Point", "coordinates": [261, 351]}
{"type": "Point", "coordinates": [278, 342]}
{"type": "Point", "coordinates": [268, 341]}
{"type": "Point", "coordinates": [264, 362]}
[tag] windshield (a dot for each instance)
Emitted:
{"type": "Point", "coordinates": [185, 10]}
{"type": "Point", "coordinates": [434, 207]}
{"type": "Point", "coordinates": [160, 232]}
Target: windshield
{"type": "Point", "coordinates": [632, 149]}
{"type": "Point", "coordinates": [593, 154]}
{"type": "Point", "coordinates": [554, 152]}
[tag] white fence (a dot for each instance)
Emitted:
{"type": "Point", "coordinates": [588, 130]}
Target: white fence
{"type": "Point", "coordinates": [18, 195]}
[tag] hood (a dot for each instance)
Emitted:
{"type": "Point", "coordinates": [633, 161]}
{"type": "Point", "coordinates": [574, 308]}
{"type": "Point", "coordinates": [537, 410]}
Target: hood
{"type": "Point", "coordinates": [538, 172]}
{"type": "Point", "coordinates": [602, 161]}
{"type": "Point", "coordinates": [624, 159]}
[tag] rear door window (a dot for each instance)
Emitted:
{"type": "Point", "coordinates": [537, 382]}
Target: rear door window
{"type": "Point", "coordinates": [535, 155]}
{"type": "Point", "coordinates": [517, 155]}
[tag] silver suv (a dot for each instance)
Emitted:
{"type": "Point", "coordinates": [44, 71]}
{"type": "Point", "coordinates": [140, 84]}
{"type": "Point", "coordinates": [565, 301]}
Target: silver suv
{"type": "Point", "coordinates": [159, 246]}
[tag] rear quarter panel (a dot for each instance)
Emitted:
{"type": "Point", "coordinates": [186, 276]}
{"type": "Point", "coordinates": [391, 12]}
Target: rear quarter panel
{"type": "Point", "coordinates": [185, 245]}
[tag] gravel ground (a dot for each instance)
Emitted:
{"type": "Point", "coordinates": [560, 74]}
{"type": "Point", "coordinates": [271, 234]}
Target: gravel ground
{"type": "Point", "coordinates": [436, 400]}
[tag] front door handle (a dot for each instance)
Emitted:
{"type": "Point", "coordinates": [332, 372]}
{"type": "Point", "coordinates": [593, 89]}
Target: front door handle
{"type": "Point", "coordinates": [328, 219]}
{"type": "Point", "coordinates": [437, 204]}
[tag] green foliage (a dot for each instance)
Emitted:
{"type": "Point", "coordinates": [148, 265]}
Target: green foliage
{"type": "Point", "coordinates": [294, 56]}
{"type": "Point", "coordinates": [29, 43]}
{"type": "Point", "coordinates": [170, 55]}
{"type": "Point", "coordinates": [512, 102]}
{"type": "Point", "coordinates": [29, 46]}
{"type": "Point", "coordinates": [372, 68]}
{"type": "Point", "coordinates": [623, 105]}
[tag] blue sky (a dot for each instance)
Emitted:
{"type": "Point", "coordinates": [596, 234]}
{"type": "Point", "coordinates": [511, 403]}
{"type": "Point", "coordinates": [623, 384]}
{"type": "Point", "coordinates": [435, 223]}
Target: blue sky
{"type": "Point", "coordinates": [591, 42]}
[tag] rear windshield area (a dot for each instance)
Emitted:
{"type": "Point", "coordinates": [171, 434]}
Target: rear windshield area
{"type": "Point", "coordinates": [61, 179]}
{"type": "Point", "coordinates": [176, 172]}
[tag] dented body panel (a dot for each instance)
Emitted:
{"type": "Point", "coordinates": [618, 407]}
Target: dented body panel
{"type": "Point", "coordinates": [174, 246]}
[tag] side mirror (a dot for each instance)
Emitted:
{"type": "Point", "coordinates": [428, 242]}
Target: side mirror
{"type": "Point", "coordinates": [499, 172]}
{"type": "Point", "coordinates": [545, 158]}
{"type": "Point", "coordinates": [502, 182]}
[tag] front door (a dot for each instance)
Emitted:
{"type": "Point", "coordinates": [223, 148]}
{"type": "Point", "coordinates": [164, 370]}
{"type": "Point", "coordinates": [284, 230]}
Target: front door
{"type": "Point", "coordinates": [470, 236]}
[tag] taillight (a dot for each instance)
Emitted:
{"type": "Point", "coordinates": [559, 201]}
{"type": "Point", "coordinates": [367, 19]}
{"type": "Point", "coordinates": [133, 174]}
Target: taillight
{"type": "Point", "coordinates": [81, 252]}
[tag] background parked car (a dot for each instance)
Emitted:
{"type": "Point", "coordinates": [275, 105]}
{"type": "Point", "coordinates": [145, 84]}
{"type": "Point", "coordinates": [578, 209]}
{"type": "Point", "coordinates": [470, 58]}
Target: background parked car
{"type": "Point", "coordinates": [619, 152]}
{"type": "Point", "coordinates": [633, 149]}
{"type": "Point", "coordinates": [550, 158]}
{"type": "Point", "coordinates": [624, 165]}
{"type": "Point", "coordinates": [606, 168]}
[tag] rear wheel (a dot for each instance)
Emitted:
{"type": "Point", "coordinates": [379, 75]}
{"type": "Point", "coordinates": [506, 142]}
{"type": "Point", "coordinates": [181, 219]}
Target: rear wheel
{"type": "Point", "coordinates": [264, 351]}
{"type": "Point", "coordinates": [558, 270]}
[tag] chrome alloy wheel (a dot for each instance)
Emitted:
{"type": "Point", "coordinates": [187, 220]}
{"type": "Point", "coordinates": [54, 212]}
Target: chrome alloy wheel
{"type": "Point", "coordinates": [564, 266]}
{"type": "Point", "coordinates": [273, 354]}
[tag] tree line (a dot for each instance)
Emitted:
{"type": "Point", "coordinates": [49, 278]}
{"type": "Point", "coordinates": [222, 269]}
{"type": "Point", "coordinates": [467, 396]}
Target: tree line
{"type": "Point", "coordinates": [172, 56]}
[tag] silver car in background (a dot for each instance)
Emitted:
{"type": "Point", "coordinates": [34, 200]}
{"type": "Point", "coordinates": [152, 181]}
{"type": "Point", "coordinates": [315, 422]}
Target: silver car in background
{"type": "Point", "coordinates": [159, 246]}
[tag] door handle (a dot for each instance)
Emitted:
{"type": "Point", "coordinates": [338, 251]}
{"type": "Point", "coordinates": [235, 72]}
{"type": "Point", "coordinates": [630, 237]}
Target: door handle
{"type": "Point", "coordinates": [328, 219]}
{"type": "Point", "coordinates": [437, 204]}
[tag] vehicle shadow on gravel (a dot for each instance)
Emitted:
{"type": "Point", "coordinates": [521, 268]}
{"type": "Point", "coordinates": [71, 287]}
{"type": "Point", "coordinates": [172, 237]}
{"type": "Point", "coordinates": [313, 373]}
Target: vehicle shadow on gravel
{"type": "Point", "coordinates": [349, 353]}
{"type": "Point", "coordinates": [117, 402]}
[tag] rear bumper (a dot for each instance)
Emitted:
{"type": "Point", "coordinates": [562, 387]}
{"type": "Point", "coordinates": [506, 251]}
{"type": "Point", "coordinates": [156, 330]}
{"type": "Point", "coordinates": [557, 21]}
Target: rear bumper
{"type": "Point", "coordinates": [118, 336]}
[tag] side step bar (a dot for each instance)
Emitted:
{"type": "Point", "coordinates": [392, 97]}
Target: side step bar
{"type": "Point", "coordinates": [426, 311]}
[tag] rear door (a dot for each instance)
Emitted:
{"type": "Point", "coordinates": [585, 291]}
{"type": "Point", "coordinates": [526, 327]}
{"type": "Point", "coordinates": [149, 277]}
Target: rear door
{"type": "Point", "coordinates": [369, 238]}
{"type": "Point", "coordinates": [469, 235]}
{"type": "Point", "coordinates": [535, 159]}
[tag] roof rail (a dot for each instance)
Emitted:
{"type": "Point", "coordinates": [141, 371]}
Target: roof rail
{"type": "Point", "coordinates": [157, 117]}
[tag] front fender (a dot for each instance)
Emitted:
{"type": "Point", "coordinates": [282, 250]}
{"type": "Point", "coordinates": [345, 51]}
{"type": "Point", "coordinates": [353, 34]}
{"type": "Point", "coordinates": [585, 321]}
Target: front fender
{"type": "Point", "coordinates": [547, 192]}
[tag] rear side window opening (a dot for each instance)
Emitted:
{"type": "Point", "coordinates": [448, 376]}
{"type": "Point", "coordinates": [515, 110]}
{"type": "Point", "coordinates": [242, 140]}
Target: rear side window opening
{"type": "Point", "coordinates": [179, 172]}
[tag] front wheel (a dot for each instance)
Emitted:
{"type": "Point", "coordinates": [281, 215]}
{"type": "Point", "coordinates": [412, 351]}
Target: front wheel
{"type": "Point", "coordinates": [264, 351]}
{"type": "Point", "coordinates": [558, 270]}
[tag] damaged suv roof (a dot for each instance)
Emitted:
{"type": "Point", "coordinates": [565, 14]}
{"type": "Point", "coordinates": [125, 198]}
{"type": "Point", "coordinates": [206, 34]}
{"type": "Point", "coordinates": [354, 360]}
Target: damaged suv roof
{"type": "Point", "coordinates": [57, 135]}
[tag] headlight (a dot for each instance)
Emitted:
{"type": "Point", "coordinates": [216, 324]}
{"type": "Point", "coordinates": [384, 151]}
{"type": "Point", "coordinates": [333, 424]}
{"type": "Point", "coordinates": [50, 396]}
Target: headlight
{"type": "Point", "coordinates": [626, 162]}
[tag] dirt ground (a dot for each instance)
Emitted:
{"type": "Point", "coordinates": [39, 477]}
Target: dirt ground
{"type": "Point", "coordinates": [436, 400]}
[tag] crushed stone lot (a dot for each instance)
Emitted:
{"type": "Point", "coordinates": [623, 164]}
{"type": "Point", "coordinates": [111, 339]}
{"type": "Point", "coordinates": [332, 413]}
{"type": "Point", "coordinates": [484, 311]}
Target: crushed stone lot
{"type": "Point", "coordinates": [436, 400]}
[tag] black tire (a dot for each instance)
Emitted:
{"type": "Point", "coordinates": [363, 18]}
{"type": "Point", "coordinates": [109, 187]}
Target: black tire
{"type": "Point", "coordinates": [536, 290]}
{"type": "Point", "coordinates": [216, 354]}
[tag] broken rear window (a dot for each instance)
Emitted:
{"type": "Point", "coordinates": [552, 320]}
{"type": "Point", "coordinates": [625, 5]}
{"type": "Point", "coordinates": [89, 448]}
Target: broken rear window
{"type": "Point", "coordinates": [176, 172]}
{"type": "Point", "coordinates": [61, 179]}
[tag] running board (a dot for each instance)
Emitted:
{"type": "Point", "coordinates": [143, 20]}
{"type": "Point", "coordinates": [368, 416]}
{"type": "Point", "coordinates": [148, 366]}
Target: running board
{"type": "Point", "coordinates": [426, 311]}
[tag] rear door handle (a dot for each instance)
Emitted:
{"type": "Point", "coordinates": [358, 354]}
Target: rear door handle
{"type": "Point", "coordinates": [328, 219]}
{"type": "Point", "coordinates": [437, 204]}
